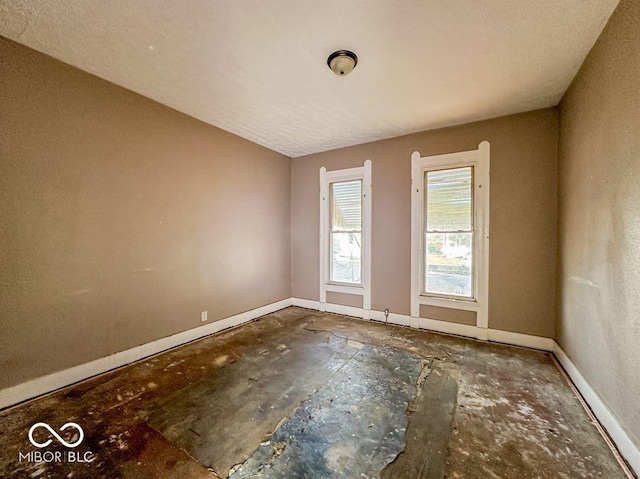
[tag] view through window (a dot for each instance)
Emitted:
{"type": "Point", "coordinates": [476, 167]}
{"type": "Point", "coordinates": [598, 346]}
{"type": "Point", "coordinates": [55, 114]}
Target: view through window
{"type": "Point", "coordinates": [448, 232]}
{"type": "Point", "coordinates": [346, 232]}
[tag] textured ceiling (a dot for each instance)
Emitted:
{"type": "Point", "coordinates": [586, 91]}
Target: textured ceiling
{"type": "Point", "coordinates": [258, 68]}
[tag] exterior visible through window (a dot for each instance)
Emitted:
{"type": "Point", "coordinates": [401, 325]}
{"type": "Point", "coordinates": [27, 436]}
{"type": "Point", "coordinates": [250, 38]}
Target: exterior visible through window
{"type": "Point", "coordinates": [346, 232]}
{"type": "Point", "coordinates": [448, 233]}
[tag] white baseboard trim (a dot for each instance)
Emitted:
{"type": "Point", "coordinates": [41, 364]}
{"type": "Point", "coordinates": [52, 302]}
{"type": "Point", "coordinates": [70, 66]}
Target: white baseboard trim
{"type": "Point", "coordinates": [622, 441]}
{"type": "Point", "coordinates": [332, 308]}
{"type": "Point", "coordinates": [394, 318]}
{"type": "Point", "coordinates": [306, 303]}
{"type": "Point", "coordinates": [52, 382]}
{"type": "Point", "coordinates": [428, 324]}
{"type": "Point", "coordinates": [345, 310]}
{"type": "Point", "coordinates": [624, 444]}
{"type": "Point", "coordinates": [519, 339]}
{"type": "Point", "coordinates": [446, 327]}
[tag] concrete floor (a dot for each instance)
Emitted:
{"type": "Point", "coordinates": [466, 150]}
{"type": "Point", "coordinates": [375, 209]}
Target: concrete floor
{"type": "Point", "coordinates": [302, 394]}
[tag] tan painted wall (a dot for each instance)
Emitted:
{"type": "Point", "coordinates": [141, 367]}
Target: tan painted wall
{"type": "Point", "coordinates": [354, 300]}
{"type": "Point", "coordinates": [599, 274]}
{"type": "Point", "coordinates": [344, 299]}
{"type": "Point", "coordinates": [122, 219]}
{"type": "Point", "coordinates": [448, 314]}
{"type": "Point", "coordinates": [523, 216]}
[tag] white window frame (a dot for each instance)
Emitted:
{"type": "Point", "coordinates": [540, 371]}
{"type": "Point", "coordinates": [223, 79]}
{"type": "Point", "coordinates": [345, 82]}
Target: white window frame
{"type": "Point", "coordinates": [480, 160]}
{"type": "Point", "coordinates": [362, 173]}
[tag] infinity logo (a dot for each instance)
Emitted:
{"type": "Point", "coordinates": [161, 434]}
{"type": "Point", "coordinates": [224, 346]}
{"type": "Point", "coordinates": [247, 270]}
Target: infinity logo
{"type": "Point", "coordinates": [55, 434]}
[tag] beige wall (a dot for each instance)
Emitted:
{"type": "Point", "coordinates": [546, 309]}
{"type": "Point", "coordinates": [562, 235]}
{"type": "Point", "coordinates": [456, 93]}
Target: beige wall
{"type": "Point", "coordinates": [523, 216]}
{"type": "Point", "coordinates": [344, 299]}
{"type": "Point", "coordinates": [448, 314]}
{"type": "Point", "coordinates": [122, 219]}
{"type": "Point", "coordinates": [599, 274]}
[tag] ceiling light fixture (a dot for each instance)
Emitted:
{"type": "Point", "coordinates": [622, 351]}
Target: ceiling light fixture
{"type": "Point", "coordinates": [342, 62]}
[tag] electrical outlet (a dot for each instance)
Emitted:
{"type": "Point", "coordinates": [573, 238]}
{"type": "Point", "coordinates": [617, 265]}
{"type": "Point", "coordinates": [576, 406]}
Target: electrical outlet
{"type": "Point", "coordinates": [203, 316]}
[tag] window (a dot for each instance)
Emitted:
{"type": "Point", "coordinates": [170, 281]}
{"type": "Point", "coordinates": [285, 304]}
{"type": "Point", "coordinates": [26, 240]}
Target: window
{"type": "Point", "coordinates": [345, 228]}
{"type": "Point", "coordinates": [448, 235]}
{"type": "Point", "coordinates": [450, 232]}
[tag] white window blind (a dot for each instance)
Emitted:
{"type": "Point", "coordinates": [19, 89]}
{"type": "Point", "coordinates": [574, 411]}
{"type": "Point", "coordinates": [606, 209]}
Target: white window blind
{"type": "Point", "coordinates": [449, 233]}
{"type": "Point", "coordinates": [345, 232]}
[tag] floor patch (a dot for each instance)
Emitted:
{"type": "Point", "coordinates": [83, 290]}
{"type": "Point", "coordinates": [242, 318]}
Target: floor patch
{"type": "Point", "coordinates": [352, 427]}
{"type": "Point", "coordinates": [223, 417]}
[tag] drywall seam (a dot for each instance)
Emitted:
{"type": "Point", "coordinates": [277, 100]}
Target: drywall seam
{"type": "Point", "coordinates": [622, 441]}
{"type": "Point", "coordinates": [52, 382]}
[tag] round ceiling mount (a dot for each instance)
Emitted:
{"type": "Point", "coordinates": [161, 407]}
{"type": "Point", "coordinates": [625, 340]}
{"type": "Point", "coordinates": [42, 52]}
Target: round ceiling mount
{"type": "Point", "coordinates": [342, 62]}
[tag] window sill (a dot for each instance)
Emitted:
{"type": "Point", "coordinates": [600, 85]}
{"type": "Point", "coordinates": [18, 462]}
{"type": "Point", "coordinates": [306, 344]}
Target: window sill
{"type": "Point", "coordinates": [344, 288]}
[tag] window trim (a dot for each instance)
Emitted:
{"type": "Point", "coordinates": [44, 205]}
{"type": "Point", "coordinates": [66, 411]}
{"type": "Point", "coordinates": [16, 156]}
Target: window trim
{"type": "Point", "coordinates": [362, 173]}
{"type": "Point", "coordinates": [480, 160]}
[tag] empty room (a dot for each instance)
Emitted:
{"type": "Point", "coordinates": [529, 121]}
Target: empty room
{"type": "Point", "coordinates": [394, 239]}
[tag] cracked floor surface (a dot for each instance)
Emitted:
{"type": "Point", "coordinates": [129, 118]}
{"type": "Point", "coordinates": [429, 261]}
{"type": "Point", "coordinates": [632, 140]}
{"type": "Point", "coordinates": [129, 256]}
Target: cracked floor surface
{"type": "Point", "coordinates": [299, 393]}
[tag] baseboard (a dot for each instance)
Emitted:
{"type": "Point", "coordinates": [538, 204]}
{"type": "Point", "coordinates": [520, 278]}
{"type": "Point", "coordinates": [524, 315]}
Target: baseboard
{"type": "Point", "coordinates": [446, 327]}
{"type": "Point", "coordinates": [331, 308]}
{"type": "Point", "coordinates": [52, 382]}
{"type": "Point", "coordinates": [394, 318]}
{"type": "Point", "coordinates": [519, 339]}
{"type": "Point", "coordinates": [623, 443]}
{"type": "Point", "coordinates": [436, 325]}
{"type": "Point", "coordinates": [345, 310]}
{"type": "Point", "coordinates": [306, 303]}
{"type": "Point", "coordinates": [46, 384]}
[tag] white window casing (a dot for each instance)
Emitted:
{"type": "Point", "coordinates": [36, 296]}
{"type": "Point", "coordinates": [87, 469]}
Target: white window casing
{"type": "Point", "coordinates": [363, 289]}
{"type": "Point", "coordinates": [479, 159]}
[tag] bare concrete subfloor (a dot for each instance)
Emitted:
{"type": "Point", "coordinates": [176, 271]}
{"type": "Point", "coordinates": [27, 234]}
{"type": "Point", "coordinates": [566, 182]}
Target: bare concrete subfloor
{"type": "Point", "coordinates": [300, 394]}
